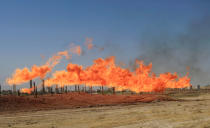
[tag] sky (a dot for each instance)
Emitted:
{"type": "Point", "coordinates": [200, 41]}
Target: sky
{"type": "Point", "coordinates": [171, 34]}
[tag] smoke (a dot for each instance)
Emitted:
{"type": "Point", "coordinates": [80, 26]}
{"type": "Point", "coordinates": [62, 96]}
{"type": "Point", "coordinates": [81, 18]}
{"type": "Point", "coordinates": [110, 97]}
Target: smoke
{"type": "Point", "coordinates": [175, 53]}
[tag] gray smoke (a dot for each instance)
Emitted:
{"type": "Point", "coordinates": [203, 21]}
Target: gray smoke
{"type": "Point", "coordinates": [170, 53]}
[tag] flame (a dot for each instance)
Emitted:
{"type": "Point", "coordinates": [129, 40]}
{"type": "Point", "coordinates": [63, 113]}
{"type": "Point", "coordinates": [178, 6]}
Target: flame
{"type": "Point", "coordinates": [105, 72]}
{"type": "Point", "coordinates": [23, 75]}
{"type": "Point", "coordinates": [65, 53]}
{"type": "Point", "coordinates": [26, 90]}
{"type": "Point", "coordinates": [76, 49]}
{"type": "Point", "coordinates": [88, 43]}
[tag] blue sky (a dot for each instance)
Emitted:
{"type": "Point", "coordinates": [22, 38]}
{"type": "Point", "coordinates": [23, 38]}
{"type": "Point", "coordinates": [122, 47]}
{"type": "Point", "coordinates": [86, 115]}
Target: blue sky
{"type": "Point", "coordinates": [29, 28]}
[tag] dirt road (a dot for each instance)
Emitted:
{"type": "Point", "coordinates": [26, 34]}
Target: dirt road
{"type": "Point", "coordinates": [193, 113]}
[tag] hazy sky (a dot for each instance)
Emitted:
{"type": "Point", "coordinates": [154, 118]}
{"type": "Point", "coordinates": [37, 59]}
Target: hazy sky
{"type": "Point", "coordinates": [152, 30]}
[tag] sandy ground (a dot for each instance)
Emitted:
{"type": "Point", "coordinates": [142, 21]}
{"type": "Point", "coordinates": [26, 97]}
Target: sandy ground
{"type": "Point", "coordinates": [192, 113]}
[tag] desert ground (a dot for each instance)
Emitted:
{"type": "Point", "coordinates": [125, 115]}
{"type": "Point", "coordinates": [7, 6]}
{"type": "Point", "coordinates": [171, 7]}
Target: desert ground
{"type": "Point", "coordinates": [189, 111]}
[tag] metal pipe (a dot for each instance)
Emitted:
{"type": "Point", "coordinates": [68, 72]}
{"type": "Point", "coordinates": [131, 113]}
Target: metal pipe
{"type": "Point", "coordinates": [51, 90]}
{"type": "Point", "coordinates": [78, 89]}
{"type": "Point", "coordinates": [14, 89]}
{"type": "Point", "coordinates": [198, 87]}
{"type": "Point", "coordinates": [36, 92]}
{"type": "Point", "coordinates": [66, 89]}
{"type": "Point", "coordinates": [113, 90]}
{"type": "Point", "coordinates": [56, 89]}
{"type": "Point", "coordinates": [30, 83]}
{"type": "Point", "coordinates": [43, 87]}
{"type": "Point", "coordinates": [85, 88]}
{"type": "Point", "coordinates": [34, 88]}
{"type": "Point", "coordinates": [0, 89]}
{"type": "Point", "coordinates": [48, 89]}
{"type": "Point", "coordinates": [75, 88]}
{"type": "Point", "coordinates": [102, 89]}
{"type": "Point", "coordinates": [18, 92]}
{"type": "Point", "coordinates": [91, 90]}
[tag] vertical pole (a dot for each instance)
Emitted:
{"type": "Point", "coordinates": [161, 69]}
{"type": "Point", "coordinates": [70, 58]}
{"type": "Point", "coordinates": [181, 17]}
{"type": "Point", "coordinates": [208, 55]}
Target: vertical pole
{"type": "Point", "coordinates": [66, 89]}
{"type": "Point", "coordinates": [78, 88]}
{"type": "Point", "coordinates": [56, 89]}
{"type": "Point", "coordinates": [62, 88]}
{"type": "Point", "coordinates": [85, 89]}
{"type": "Point", "coordinates": [51, 90]}
{"type": "Point", "coordinates": [43, 87]}
{"type": "Point", "coordinates": [18, 92]}
{"type": "Point", "coordinates": [191, 88]}
{"type": "Point", "coordinates": [0, 89]}
{"type": "Point", "coordinates": [36, 92]}
{"type": "Point", "coordinates": [30, 83]}
{"type": "Point", "coordinates": [14, 88]}
{"type": "Point", "coordinates": [91, 89]}
{"type": "Point", "coordinates": [34, 88]}
{"type": "Point", "coordinates": [75, 88]}
{"type": "Point", "coordinates": [133, 92]}
{"type": "Point", "coordinates": [102, 89]}
{"type": "Point", "coordinates": [198, 87]}
{"type": "Point", "coordinates": [113, 90]}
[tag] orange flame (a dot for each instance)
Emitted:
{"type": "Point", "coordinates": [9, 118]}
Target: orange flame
{"type": "Point", "coordinates": [88, 43]}
{"type": "Point", "coordinates": [26, 90]}
{"type": "Point", "coordinates": [25, 74]}
{"type": "Point", "coordinates": [75, 49]}
{"type": "Point", "coordinates": [65, 53]}
{"type": "Point", "coordinates": [105, 72]}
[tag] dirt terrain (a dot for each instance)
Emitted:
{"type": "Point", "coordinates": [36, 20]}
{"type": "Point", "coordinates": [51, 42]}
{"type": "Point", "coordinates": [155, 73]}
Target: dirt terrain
{"type": "Point", "coordinates": [12, 103]}
{"type": "Point", "coordinates": [137, 111]}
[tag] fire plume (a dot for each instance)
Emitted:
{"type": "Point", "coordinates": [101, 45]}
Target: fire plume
{"type": "Point", "coordinates": [76, 49]}
{"type": "Point", "coordinates": [88, 43]}
{"type": "Point", "coordinates": [105, 72]}
{"type": "Point", "coordinates": [23, 75]}
{"type": "Point", "coordinates": [26, 90]}
{"type": "Point", "coordinates": [65, 53]}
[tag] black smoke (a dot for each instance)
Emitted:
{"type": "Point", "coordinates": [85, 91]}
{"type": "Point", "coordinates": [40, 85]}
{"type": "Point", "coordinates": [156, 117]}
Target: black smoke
{"type": "Point", "coordinates": [170, 53]}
